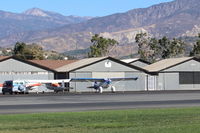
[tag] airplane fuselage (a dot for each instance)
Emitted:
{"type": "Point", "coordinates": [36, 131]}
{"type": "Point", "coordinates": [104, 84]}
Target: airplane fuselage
{"type": "Point", "coordinates": [105, 84]}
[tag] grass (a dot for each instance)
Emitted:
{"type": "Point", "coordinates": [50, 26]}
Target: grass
{"type": "Point", "coordinates": [175, 120]}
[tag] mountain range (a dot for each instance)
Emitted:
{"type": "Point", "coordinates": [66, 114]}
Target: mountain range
{"type": "Point", "coordinates": [60, 33]}
{"type": "Point", "coordinates": [34, 20]}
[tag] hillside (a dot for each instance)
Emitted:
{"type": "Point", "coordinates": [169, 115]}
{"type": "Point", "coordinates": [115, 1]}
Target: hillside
{"type": "Point", "coordinates": [33, 20]}
{"type": "Point", "coordinates": [173, 19]}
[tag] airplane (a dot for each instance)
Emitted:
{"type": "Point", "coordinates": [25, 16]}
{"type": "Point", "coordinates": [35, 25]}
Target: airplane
{"type": "Point", "coordinates": [102, 83]}
{"type": "Point", "coordinates": [24, 86]}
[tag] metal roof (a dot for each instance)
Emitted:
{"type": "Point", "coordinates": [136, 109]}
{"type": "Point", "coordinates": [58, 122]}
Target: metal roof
{"type": "Point", "coordinates": [166, 63]}
{"type": "Point", "coordinates": [52, 64]}
{"type": "Point", "coordinates": [3, 57]}
{"type": "Point", "coordinates": [89, 61]}
{"type": "Point", "coordinates": [68, 65]}
{"type": "Point", "coordinates": [130, 60]}
{"type": "Point", "coordinates": [78, 64]}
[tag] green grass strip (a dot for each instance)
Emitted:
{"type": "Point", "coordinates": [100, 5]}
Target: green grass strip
{"type": "Point", "coordinates": [173, 120]}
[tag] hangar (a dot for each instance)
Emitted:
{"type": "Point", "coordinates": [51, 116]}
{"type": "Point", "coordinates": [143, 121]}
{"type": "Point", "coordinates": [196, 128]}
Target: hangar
{"type": "Point", "coordinates": [136, 62]}
{"type": "Point", "coordinates": [13, 68]}
{"type": "Point", "coordinates": [174, 74]}
{"type": "Point", "coordinates": [104, 67]}
{"type": "Point", "coordinates": [53, 65]}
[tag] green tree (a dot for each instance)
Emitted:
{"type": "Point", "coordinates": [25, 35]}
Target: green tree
{"type": "Point", "coordinates": [170, 48]}
{"type": "Point", "coordinates": [146, 46]}
{"type": "Point", "coordinates": [177, 48]}
{"type": "Point", "coordinates": [155, 50]}
{"type": "Point", "coordinates": [164, 47]}
{"type": "Point", "coordinates": [151, 49]}
{"type": "Point", "coordinates": [19, 50]}
{"type": "Point", "coordinates": [101, 46]}
{"type": "Point", "coordinates": [196, 49]}
{"type": "Point", "coordinates": [34, 51]}
{"type": "Point", "coordinates": [29, 52]}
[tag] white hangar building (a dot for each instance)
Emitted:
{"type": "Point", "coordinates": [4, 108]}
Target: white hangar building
{"type": "Point", "coordinates": [174, 74]}
{"type": "Point", "coordinates": [104, 67]}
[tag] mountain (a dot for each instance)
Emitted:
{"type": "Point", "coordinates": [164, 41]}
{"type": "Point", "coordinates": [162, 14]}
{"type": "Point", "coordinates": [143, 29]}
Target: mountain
{"type": "Point", "coordinates": [55, 16]}
{"type": "Point", "coordinates": [172, 19]}
{"type": "Point", "coordinates": [33, 20]}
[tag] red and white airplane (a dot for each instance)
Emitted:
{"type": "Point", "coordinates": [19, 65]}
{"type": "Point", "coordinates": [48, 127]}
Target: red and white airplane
{"type": "Point", "coordinates": [24, 86]}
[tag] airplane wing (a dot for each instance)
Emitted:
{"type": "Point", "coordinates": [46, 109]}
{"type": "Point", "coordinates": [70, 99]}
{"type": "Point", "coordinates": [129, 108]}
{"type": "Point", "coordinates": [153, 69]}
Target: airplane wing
{"type": "Point", "coordinates": [50, 84]}
{"type": "Point", "coordinates": [49, 81]}
{"type": "Point", "coordinates": [123, 79]}
{"type": "Point", "coordinates": [34, 83]}
{"type": "Point", "coordinates": [87, 80]}
{"type": "Point", "coordinates": [100, 79]}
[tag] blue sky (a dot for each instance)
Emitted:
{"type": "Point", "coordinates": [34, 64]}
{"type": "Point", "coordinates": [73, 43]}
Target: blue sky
{"type": "Point", "coordinates": [78, 7]}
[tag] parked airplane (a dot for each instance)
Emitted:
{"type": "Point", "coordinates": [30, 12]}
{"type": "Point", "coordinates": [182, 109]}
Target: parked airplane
{"type": "Point", "coordinates": [24, 86]}
{"type": "Point", "coordinates": [101, 83]}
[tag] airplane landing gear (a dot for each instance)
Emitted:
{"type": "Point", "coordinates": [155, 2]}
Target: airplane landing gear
{"type": "Point", "coordinates": [100, 90]}
{"type": "Point", "coordinates": [113, 89]}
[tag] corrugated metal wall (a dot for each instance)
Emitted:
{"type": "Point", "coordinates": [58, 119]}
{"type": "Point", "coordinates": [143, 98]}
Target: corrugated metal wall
{"type": "Point", "coordinates": [113, 70]}
{"type": "Point", "coordinates": [12, 69]}
{"type": "Point", "coordinates": [169, 78]}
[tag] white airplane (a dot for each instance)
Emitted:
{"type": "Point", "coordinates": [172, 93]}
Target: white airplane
{"type": "Point", "coordinates": [101, 83]}
{"type": "Point", "coordinates": [24, 86]}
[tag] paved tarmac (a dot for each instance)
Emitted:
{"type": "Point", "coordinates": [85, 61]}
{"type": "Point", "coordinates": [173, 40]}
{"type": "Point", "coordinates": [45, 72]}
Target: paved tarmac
{"type": "Point", "coordinates": [32, 103]}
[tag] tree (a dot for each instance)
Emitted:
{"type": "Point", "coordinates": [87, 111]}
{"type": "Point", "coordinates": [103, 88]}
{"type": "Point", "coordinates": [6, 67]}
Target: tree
{"type": "Point", "coordinates": [177, 47]}
{"type": "Point", "coordinates": [146, 46]}
{"type": "Point", "coordinates": [196, 49]}
{"type": "Point", "coordinates": [34, 52]}
{"type": "Point", "coordinates": [151, 49]}
{"type": "Point", "coordinates": [101, 46]}
{"type": "Point", "coordinates": [164, 46]}
{"type": "Point", "coordinates": [155, 50]}
{"type": "Point", "coordinates": [170, 48]}
{"type": "Point", "coordinates": [19, 50]}
{"type": "Point", "coordinates": [29, 52]}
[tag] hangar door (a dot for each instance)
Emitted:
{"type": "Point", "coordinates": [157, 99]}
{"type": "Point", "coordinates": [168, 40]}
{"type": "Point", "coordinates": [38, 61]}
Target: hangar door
{"type": "Point", "coordinates": [189, 77]}
{"type": "Point", "coordinates": [189, 80]}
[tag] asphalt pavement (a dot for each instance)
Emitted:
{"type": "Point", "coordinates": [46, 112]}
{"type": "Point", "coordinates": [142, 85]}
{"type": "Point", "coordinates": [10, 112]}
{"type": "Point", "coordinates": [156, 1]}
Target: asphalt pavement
{"type": "Point", "coordinates": [73, 102]}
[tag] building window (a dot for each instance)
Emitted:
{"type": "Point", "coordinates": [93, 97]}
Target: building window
{"type": "Point", "coordinates": [189, 78]}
